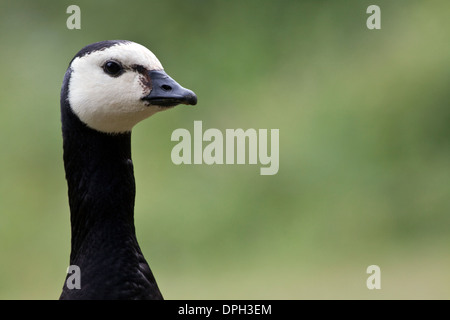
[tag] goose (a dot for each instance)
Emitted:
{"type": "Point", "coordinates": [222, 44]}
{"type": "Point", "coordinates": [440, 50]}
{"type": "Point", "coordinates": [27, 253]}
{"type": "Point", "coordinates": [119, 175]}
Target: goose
{"type": "Point", "coordinates": [109, 87]}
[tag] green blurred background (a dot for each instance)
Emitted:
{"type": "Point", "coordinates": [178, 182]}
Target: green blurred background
{"type": "Point", "coordinates": [364, 120]}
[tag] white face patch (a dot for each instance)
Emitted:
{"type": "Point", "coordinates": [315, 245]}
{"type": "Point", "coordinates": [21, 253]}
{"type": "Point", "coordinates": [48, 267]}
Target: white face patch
{"type": "Point", "coordinates": [112, 104]}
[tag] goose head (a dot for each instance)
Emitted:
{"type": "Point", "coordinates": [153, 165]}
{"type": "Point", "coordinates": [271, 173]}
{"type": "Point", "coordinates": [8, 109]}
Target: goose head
{"type": "Point", "coordinates": [113, 85]}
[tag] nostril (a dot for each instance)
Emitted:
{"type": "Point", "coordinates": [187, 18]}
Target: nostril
{"type": "Point", "coordinates": [166, 87]}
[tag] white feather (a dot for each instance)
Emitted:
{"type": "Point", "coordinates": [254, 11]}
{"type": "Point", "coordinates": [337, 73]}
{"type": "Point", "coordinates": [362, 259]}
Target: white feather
{"type": "Point", "coordinates": [111, 104]}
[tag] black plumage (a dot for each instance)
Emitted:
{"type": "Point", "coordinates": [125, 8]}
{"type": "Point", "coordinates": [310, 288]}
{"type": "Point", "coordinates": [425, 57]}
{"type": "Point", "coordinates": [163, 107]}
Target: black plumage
{"type": "Point", "coordinates": [101, 190]}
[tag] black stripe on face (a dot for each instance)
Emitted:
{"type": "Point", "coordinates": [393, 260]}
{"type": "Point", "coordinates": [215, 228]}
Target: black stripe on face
{"type": "Point", "coordinates": [139, 68]}
{"type": "Point", "coordinates": [145, 76]}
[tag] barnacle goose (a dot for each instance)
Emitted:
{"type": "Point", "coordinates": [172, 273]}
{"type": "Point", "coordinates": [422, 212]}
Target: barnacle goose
{"type": "Point", "coordinates": [109, 87]}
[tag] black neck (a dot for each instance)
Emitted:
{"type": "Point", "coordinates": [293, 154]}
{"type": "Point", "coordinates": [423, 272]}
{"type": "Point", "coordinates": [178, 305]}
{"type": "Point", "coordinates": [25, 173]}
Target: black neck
{"type": "Point", "coordinates": [101, 190]}
{"type": "Point", "coordinates": [100, 181]}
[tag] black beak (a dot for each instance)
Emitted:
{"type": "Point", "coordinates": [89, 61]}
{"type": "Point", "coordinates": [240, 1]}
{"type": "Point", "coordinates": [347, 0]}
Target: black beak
{"type": "Point", "coordinates": [166, 92]}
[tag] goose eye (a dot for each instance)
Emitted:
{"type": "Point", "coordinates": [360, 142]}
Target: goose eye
{"type": "Point", "coordinates": [113, 68]}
